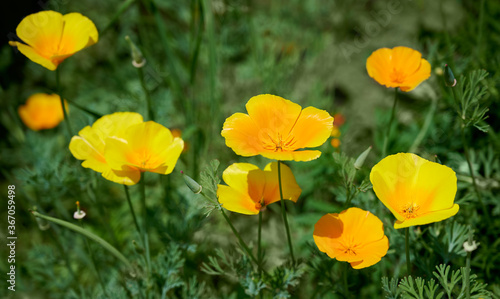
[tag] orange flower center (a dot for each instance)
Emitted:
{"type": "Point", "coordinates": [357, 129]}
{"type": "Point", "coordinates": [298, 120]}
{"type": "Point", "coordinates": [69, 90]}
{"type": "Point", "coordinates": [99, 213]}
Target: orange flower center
{"type": "Point", "coordinates": [397, 76]}
{"type": "Point", "coordinates": [409, 211]}
{"type": "Point", "coordinates": [279, 144]}
{"type": "Point", "coordinates": [349, 250]}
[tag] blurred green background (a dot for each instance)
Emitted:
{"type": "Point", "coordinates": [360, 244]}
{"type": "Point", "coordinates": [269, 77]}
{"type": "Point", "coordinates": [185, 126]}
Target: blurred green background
{"type": "Point", "coordinates": [205, 59]}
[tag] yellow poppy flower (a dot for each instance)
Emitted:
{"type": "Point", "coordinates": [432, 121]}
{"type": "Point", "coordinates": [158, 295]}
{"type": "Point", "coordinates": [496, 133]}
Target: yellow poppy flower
{"type": "Point", "coordinates": [398, 67]}
{"type": "Point", "coordinates": [415, 190]}
{"type": "Point", "coordinates": [251, 189]}
{"type": "Point", "coordinates": [354, 236]}
{"type": "Point", "coordinates": [146, 146]}
{"type": "Point", "coordinates": [49, 37]}
{"type": "Point", "coordinates": [41, 111]}
{"type": "Point", "coordinates": [277, 129]}
{"type": "Point", "coordinates": [91, 142]}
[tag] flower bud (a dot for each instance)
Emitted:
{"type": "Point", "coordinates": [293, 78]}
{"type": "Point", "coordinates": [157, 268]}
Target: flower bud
{"type": "Point", "coordinates": [449, 78]}
{"type": "Point", "coordinates": [361, 158]}
{"type": "Point", "coordinates": [192, 184]}
{"type": "Point", "coordinates": [138, 59]}
{"type": "Point", "coordinates": [469, 247]}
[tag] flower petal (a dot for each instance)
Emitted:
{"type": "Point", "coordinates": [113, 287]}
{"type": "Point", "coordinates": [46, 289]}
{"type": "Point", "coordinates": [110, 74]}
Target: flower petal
{"type": "Point", "coordinates": [378, 65]}
{"type": "Point", "coordinates": [34, 56]}
{"type": "Point", "coordinates": [242, 135]}
{"type": "Point", "coordinates": [236, 201]}
{"type": "Point", "coordinates": [247, 179]}
{"type": "Point", "coordinates": [327, 230]}
{"type": "Point", "coordinates": [372, 253]}
{"type": "Point", "coordinates": [420, 75]}
{"type": "Point", "coordinates": [361, 226]}
{"type": "Point", "coordinates": [427, 218]}
{"type": "Point", "coordinates": [312, 129]}
{"type": "Point", "coordinates": [298, 156]}
{"type": "Point", "coordinates": [42, 31]}
{"type": "Point", "coordinates": [79, 32]}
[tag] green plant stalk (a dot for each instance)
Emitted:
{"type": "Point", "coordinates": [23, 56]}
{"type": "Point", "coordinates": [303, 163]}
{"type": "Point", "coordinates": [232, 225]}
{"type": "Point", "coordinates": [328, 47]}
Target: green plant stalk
{"type": "Point", "coordinates": [259, 240]}
{"type": "Point", "coordinates": [480, 26]}
{"type": "Point", "coordinates": [425, 127]}
{"type": "Point", "coordinates": [88, 111]}
{"type": "Point", "coordinates": [407, 245]}
{"type": "Point", "coordinates": [142, 185]}
{"type": "Point", "coordinates": [125, 5]}
{"type": "Point", "coordinates": [467, 272]}
{"type": "Point", "coordinates": [93, 262]}
{"type": "Point", "coordinates": [209, 25]}
{"type": "Point", "coordinates": [388, 132]}
{"type": "Point", "coordinates": [283, 213]}
{"type": "Point", "coordinates": [127, 194]}
{"type": "Point", "coordinates": [346, 285]}
{"type": "Point", "coordinates": [242, 243]}
{"type": "Point", "coordinates": [89, 235]}
{"type": "Point", "coordinates": [140, 73]}
{"type": "Point", "coordinates": [59, 92]}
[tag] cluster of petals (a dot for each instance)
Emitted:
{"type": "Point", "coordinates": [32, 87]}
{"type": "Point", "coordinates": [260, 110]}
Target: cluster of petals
{"type": "Point", "coordinates": [398, 67]}
{"type": "Point", "coordinates": [41, 111]}
{"type": "Point", "coordinates": [277, 128]}
{"type": "Point", "coordinates": [354, 236]}
{"type": "Point", "coordinates": [249, 189]}
{"type": "Point", "coordinates": [415, 190]}
{"type": "Point", "coordinates": [120, 146]}
{"type": "Point", "coordinates": [49, 37]}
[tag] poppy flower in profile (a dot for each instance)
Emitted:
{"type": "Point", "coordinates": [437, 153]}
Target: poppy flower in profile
{"type": "Point", "coordinates": [354, 236]}
{"type": "Point", "coordinates": [91, 141]}
{"type": "Point", "coordinates": [41, 111]}
{"type": "Point", "coordinates": [249, 189]}
{"type": "Point", "coordinates": [277, 129]}
{"type": "Point", "coordinates": [415, 190]}
{"type": "Point", "coordinates": [49, 37]}
{"type": "Point", "coordinates": [398, 67]}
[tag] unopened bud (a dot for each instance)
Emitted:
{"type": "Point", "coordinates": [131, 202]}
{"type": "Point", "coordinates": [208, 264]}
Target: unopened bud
{"type": "Point", "coordinates": [449, 78]}
{"type": "Point", "coordinates": [192, 184]}
{"type": "Point", "coordinates": [138, 59]}
{"type": "Point", "coordinates": [361, 158]}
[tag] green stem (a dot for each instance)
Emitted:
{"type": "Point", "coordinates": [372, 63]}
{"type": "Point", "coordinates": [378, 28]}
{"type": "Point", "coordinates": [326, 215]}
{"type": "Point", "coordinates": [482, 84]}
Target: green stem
{"type": "Point", "coordinates": [480, 30]}
{"type": "Point", "coordinates": [425, 127]}
{"type": "Point", "coordinates": [407, 245]}
{"type": "Point", "coordinates": [471, 171]}
{"type": "Point", "coordinates": [467, 265]}
{"type": "Point", "coordinates": [283, 213]}
{"type": "Point", "coordinates": [132, 209]}
{"type": "Point", "coordinates": [346, 285]}
{"type": "Point", "coordinates": [140, 73]}
{"type": "Point", "coordinates": [125, 5]}
{"type": "Point", "coordinates": [89, 235]}
{"type": "Point", "coordinates": [210, 27]}
{"type": "Point", "coordinates": [59, 92]}
{"type": "Point", "coordinates": [242, 243]}
{"type": "Point", "coordinates": [388, 132]}
{"type": "Point", "coordinates": [94, 262]}
{"type": "Point", "coordinates": [88, 111]}
{"type": "Point", "coordinates": [142, 186]}
{"type": "Point", "coordinates": [259, 240]}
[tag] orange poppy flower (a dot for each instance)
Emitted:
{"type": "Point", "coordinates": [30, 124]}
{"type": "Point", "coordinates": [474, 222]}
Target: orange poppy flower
{"type": "Point", "coordinates": [415, 190]}
{"type": "Point", "coordinates": [398, 67]}
{"type": "Point", "coordinates": [42, 111]}
{"type": "Point", "coordinates": [277, 129]}
{"type": "Point", "coordinates": [354, 236]}
{"type": "Point", "coordinates": [250, 189]}
{"type": "Point", "coordinates": [49, 37]}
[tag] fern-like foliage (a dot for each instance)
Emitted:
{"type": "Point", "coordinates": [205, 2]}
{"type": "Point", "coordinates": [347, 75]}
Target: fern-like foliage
{"type": "Point", "coordinates": [209, 180]}
{"type": "Point", "coordinates": [448, 285]}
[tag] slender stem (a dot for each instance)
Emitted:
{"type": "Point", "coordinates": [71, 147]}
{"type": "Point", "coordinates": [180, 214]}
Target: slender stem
{"type": "Point", "coordinates": [140, 73]}
{"type": "Point", "coordinates": [407, 245]}
{"type": "Point", "coordinates": [88, 111]}
{"type": "Point", "coordinates": [283, 213]}
{"type": "Point", "coordinates": [89, 235]}
{"type": "Point", "coordinates": [259, 240]}
{"type": "Point", "coordinates": [425, 127]}
{"type": "Point", "coordinates": [132, 209]}
{"type": "Point", "coordinates": [210, 27]}
{"type": "Point", "coordinates": [388, 132]}
{"type": "Point", "coordinates": [125, 5]}
{"type": "Point", "coordinates": [480, 26]}
{"type": "Point", "coordinates": [346, 285]}
{"type": "Point", "coordinates": [94, 262]}
{"type": "Point", "coordinates": [59, 92]}
{"type": "Point", "coordinates": [471, 171]}
{"type": "Point", "coordinates": [142, 186]}
{"type": "Point", "coordinates": [242, 243]}
{"type": "Point", "coordinates": [467, 265]}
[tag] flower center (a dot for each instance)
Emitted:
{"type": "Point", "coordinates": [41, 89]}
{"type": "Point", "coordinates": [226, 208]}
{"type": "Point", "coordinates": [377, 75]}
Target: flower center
{"type": "Point", "coordinates": [397, 76]}
{"type": "Point", "coordinates": [279, 144]}
{"type": "Point", "coordinates": [349, 250]}
{"type": "Point", "coordinates": [409, 211]}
